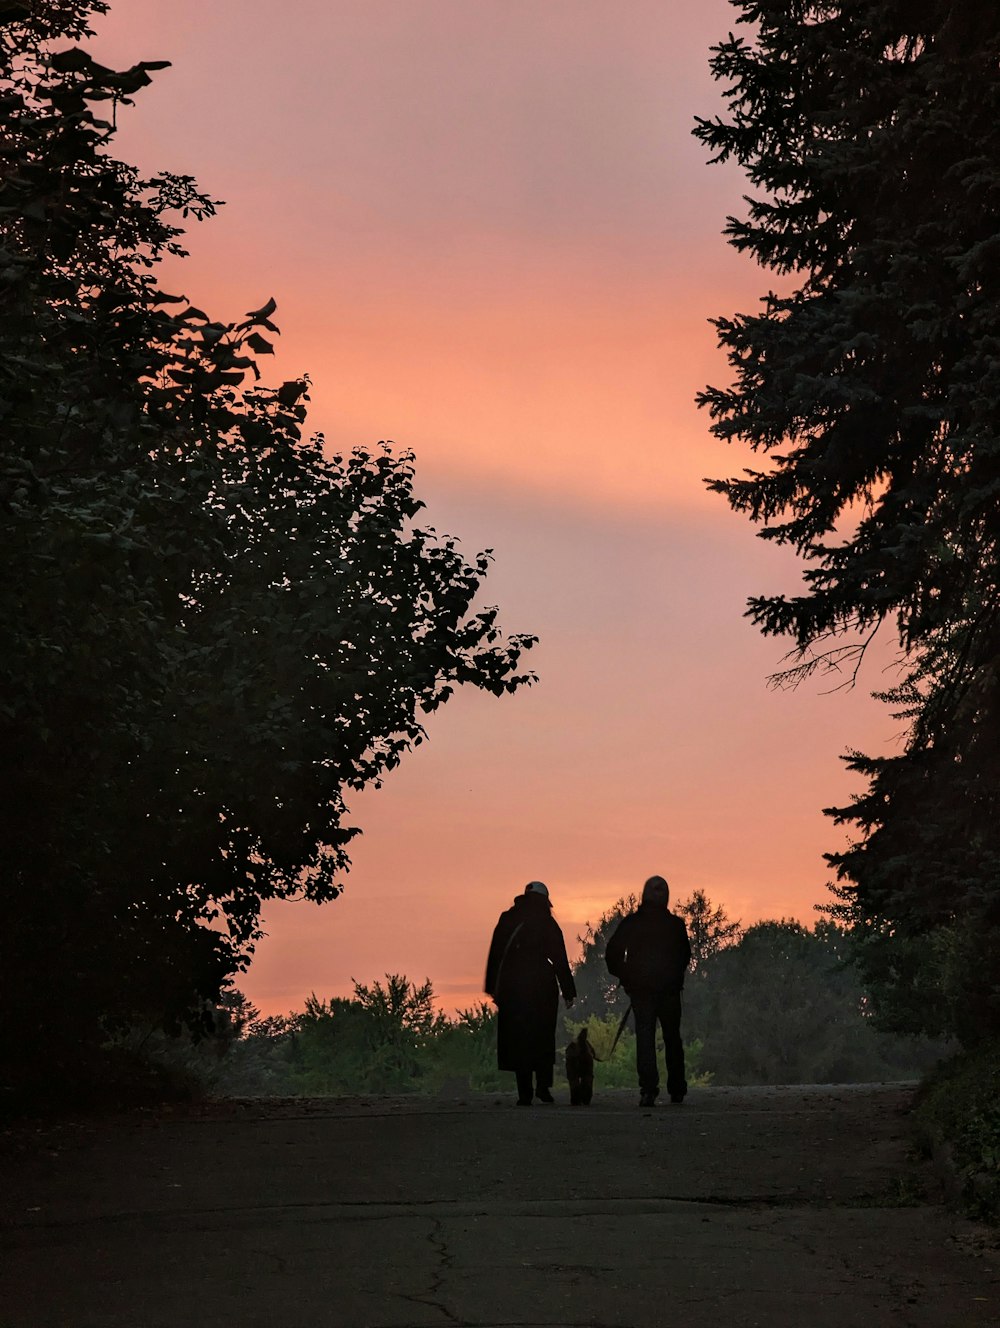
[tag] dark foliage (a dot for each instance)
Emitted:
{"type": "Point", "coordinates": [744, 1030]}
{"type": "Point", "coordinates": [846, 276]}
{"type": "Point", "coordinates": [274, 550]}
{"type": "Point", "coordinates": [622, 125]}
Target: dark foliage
{"type": "Point", "coordinates": [212, 629]}
{"type": "Point", "coordinates": [780, 1005]}
{"type": "Point", "coordinates": [772, 1003]}
{"type": "Point", "coordinates": [597, 992]}
{"type": "Point", "coordinates": [958, 1113]}
{"type": "Point", "coordinates": [870, 130]}
{"type": "Point", "coordinates": [784, 1006]}
{"type": "Point", "coordinates": [709, 928]}
{"type": "Point", "coordinates": [387, 1039]}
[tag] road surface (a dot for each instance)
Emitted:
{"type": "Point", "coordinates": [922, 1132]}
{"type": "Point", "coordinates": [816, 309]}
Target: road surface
{"type": "Point", "coordinates": [767, 1206]}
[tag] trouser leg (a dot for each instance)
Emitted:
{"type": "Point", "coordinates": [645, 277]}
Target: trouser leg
{"type": "Point", "coordinates": [543, 1078]}
{"type": "Point", "coordinates": [670, 1022]}
{"type": "Point", "coordinates": [644, 1011]}
{"type": "Point", "coordinates": [524, 1092]}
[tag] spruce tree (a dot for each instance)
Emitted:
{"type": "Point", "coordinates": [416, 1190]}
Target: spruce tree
{"type": "Point", "coordinates": [870, 384]}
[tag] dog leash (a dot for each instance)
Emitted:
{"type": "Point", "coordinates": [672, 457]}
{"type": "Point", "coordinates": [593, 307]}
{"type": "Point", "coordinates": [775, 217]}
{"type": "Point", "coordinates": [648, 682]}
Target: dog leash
{"type": "Point", "coordinates": [621, 1029]}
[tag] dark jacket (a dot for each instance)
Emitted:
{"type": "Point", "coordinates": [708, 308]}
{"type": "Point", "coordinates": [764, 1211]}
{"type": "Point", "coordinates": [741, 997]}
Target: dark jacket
{"type": "Point", "coordinates": [649, 950]}
{"type": "Point", "coordinates": [526, 969]}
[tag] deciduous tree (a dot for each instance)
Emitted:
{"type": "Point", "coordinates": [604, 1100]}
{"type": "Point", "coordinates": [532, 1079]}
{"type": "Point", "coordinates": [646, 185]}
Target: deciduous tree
{"type": "Point", "coordinates": [710, 928]}
{"type": "Point", "coordinates": [784, 1006]}
{"type": "Point", "coordinates": [598, 994]}
{"type": "Point", "coordinates": [214, 629]}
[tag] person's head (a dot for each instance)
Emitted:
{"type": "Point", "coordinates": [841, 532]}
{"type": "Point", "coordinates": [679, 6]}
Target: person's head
{"type": "Point", "coordinates": [656, 891]}
{"type": "Point", "coordinates": [538, 888]}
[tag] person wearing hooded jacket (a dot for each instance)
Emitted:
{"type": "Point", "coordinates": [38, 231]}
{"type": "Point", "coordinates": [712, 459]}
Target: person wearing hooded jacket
{"type": "Point", "coordinates": [525, 971]}
{"type": "Point", "coordinates": [648, 953]}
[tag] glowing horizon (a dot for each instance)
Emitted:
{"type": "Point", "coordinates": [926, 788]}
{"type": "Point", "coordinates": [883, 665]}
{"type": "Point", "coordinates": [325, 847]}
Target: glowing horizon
{"type": "Point", "coordinates": [493, 240]}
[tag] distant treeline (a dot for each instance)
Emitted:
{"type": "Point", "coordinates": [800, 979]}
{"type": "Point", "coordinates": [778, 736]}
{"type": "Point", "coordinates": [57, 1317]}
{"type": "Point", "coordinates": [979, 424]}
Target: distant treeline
{"type": "Point", "coordinates": [772, 1003]}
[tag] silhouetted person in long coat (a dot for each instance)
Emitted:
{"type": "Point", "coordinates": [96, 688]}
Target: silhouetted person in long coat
{"type": "Point", "coordinates": [526, 969]}
{"type": "Point", "coordinates": [649, 953]}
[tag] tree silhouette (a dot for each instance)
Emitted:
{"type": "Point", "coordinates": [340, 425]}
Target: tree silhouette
{"type": "Point", "coordinates": [870, 131]}
{"type": "Point", "coordinates": [215, 630]}
{"type": "Point", "coordinates": [784, 1006]}
{"type": "Point", "coordinates": [709, 927]}
{"type": "Point", "coordinates": [598, 994]}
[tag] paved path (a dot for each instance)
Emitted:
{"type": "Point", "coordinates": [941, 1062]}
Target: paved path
{"type": "Point", "coordinates": [778, 1207]}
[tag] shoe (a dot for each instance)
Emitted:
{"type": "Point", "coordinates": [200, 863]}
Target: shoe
{"type": "Point", "coordinates": [677, 1099]}
{"type": "Point", "coordinates": [647, 1100]}
{"type": "Point", "coordinates": [544, 1095]}
{"type": "Point", "coordinates": [524, 1101]}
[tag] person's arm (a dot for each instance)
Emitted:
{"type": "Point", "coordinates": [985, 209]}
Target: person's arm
{"type": "Point", "coordinates": [497, 947]}
{"type": "Point", "coordinates": [557, 954]}
{"type": "Point", "coordinates": [685, 945]}
{"type": "Point", "coordinates": [614, 955]}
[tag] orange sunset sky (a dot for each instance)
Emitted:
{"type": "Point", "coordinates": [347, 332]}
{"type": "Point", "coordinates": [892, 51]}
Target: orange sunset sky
{"type": "Point", "coordinates": [493, 240]}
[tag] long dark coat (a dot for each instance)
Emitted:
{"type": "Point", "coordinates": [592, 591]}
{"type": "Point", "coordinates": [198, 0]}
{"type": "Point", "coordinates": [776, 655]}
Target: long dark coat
{"type": "Point", "coordinates": [526, 969]}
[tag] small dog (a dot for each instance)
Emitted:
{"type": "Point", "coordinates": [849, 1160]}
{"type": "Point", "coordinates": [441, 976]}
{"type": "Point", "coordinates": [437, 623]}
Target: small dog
{"type": "Point", "coordinates": [580, 1070]}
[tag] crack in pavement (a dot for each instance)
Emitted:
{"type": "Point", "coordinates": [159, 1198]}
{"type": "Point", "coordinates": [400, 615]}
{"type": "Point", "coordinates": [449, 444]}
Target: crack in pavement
{"type": "Point", "coordinates": [436, 1220]}
{"type": "Point", "coordinates": [431, 1298]}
